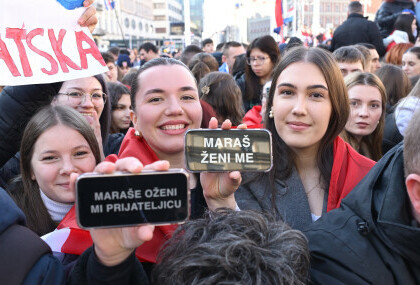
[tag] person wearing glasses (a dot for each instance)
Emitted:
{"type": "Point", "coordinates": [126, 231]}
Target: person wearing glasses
{"type": "Point", "coordinates": [261, 57]}
{"type": "Point", "coordinates": [86, 95]}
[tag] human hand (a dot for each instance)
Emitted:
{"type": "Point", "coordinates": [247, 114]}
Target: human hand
{"type": "Point", "coordinates": [89, 18]}
{"type": "Point", "coordinates": [219, 187]}
{"type": "Point", "coordinates": [114, 245]}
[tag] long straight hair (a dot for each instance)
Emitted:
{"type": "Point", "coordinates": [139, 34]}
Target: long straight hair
{"type": "Point", "coordinates": [403, 23]}
{"type": "Point", "coordinates": [283, 158]}
{"type": "Point", "coordinates": [371, 143]}
{"type": "Point", "coordinates": [105, 119]}
{"type": "Point", "coordinates": [24, 190]}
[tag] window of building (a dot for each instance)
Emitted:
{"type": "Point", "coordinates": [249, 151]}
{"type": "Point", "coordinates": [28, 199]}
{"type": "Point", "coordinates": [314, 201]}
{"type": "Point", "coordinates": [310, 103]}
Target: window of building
{"type": "Point", "coordinates": [160, 30]}
{"type": "Point", "coordinates": [127, 22]}
{"type": "Point", "coordinates": [147, 28]}
{"type": "Point", "coordinates": [159, 5]}
{"type": "Point", "coordinates": [140, 26]}
{"type": "Point", "coordinates": [159, 17]}
{"type": "Point", "coordinates": [133, 24]}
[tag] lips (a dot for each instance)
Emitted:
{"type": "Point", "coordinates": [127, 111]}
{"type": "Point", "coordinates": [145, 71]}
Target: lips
{"type": "Point", "coordinates": [297, 126]}
{"type": "Point", "coordinates": [362, 125]}
{"type": "Point", "coordinates": [64, 185]}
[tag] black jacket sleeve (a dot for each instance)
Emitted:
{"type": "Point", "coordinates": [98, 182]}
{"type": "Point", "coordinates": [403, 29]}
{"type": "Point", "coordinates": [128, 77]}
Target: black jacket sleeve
{"type": "Point", "coordinates": [89, 270]}
{"type": "Point", "coordinates": [17, 105]}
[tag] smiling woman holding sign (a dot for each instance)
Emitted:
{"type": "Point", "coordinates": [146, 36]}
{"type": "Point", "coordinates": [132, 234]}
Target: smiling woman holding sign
{"type": "Point", "coordinates": [162, 113]}
{"type": "Point", "coordinates": [313, 169]}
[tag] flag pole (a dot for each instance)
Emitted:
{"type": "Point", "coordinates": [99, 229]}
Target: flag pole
{"type": "Point", "coordinates": [119, 24]}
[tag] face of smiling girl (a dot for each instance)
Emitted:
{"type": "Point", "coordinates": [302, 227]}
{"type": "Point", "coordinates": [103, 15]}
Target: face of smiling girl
{"type": "Point", "coordinates": [53, 160]}
{"type": "Point", "coordinates": [166, 106]}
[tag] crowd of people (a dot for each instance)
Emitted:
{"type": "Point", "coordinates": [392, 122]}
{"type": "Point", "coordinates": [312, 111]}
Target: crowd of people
{"type": "Point", "coordinates": [341, 204]}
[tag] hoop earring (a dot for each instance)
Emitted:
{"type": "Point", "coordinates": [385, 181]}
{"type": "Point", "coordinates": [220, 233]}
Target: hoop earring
{"type": "Point", "coordinates": [138, 134]}
{"type": "Point", "coordinates": [270, 114]}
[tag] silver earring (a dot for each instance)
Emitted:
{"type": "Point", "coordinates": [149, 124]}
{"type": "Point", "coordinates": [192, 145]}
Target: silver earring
{"type": "Point", "coordinates": [270, 114]}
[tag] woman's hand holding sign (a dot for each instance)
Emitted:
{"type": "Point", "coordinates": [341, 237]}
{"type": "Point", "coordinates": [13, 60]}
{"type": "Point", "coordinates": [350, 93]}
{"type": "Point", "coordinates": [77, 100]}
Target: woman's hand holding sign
{"type": "Point", "coordinates": [219, 188]}
{"type": "Point", "coordinates": [114, 245]}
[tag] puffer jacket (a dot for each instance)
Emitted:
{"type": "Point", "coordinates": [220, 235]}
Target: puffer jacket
{"type": "Point", "coordinates": [372, 238]}
{"type": "Point", "coordinates": [17, 105]}
{"type": "Point", "coordinates": [387, 14]}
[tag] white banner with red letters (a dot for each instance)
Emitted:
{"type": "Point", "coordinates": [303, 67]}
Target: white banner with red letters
{"type": "Point", "coordinates": [41, 42]}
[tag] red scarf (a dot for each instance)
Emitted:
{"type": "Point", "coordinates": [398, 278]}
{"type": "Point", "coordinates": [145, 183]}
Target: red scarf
{"type": "Point", "coordinates": [79, 240]}
{"type": "Point", "coordinates": [348, 169]}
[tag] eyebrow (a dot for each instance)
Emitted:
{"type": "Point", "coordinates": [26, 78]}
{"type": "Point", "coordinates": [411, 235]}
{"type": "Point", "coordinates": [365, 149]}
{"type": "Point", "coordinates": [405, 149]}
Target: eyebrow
{"type": "Point", "coordinates": [358, 100]}
{"type": "Point", "coordinates": [309, 87]}
{"type": "Point", "coordinates": [81, 89]}
{"type": "Point", "coordinates": [158, 90]}
{"type": "Point", "coordinates": [76, 147]}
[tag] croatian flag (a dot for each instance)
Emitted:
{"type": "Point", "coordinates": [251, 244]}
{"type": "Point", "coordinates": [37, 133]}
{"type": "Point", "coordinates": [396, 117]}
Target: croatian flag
{"type": "Point", "coordinates": [289, 15]}
{"type": "Point", "coordinates": [109, 4]}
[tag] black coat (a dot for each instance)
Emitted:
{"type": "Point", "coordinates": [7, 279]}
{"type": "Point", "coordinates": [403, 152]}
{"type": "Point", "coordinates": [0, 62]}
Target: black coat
{"type": "Point", "coordinates": [17, 105]}
{"type": "Point", "coordinates": [248, 104]}
{"type": "Point", "coordinates": [371, 238]}
{"type": "Point", "coordinates": [46, 269]}
{"type": "Point", "coordinates": [357, 29]}
{"type": "Point", "coordinates": [388, 13]}
{"type": "Point", "coordinates": [392, 135]}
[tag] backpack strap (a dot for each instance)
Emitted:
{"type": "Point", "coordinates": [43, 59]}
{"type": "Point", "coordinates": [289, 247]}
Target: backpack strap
{"type": "Point", "coordinates": [20, 249]}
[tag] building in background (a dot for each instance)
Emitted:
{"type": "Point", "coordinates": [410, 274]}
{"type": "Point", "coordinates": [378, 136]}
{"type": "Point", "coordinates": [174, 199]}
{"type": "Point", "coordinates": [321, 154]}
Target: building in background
{"type": "Point", "coordinates": [196, 16]}
{"type": "Point", "coordinates": [228, 20]}
{"type": "Point", "coordinates": [329, 14]}
{"type": "Point", "coordinates": [260, 26]}
{"type": "Point", "coordinates": [127, 24]}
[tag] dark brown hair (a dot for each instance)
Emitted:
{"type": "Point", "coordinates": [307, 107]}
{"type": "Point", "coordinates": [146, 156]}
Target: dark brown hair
{"type": "Point", "coordinates": [219, 89]}
{"type": "Point", "coordinates": [202, 64]}
{"type": "Point", "coordinates": [403, 23]}
{"type": "Point", "coordinates": [116, 91]}
{"type": "Point", "coordinates": [26, 191]}
{"type": "Point", "coordinates": [396, 82]}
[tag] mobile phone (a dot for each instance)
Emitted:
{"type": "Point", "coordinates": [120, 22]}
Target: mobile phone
{"type": "Point", "coordinates": [125, 199]}
{"type": "Point", "coordinates": [228, 150]}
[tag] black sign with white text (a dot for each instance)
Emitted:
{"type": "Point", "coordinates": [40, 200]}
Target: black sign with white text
{"type": "Point", "coordinates": [123, 199]}
{"type": "Point", "coordinates": [228, 150]}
